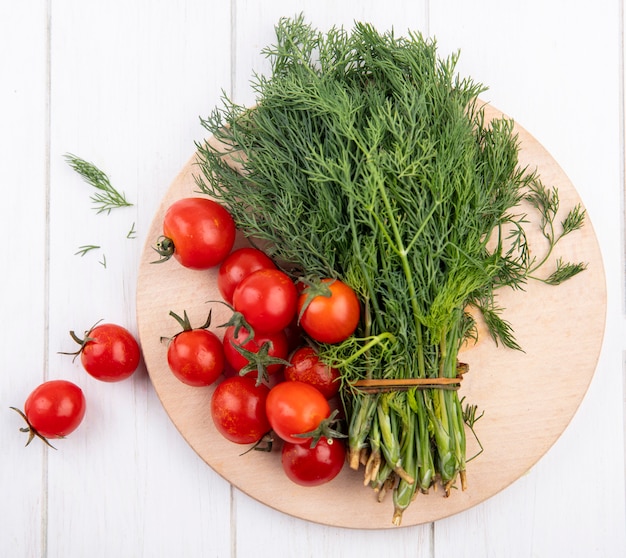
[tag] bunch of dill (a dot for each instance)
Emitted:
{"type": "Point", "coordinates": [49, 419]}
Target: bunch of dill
{"type": "Point", "coordinates": [368, 159]}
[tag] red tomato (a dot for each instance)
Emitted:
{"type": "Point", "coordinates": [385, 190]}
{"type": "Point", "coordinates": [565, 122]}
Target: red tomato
{"type": "Point", "coordinates": [53, 410]}
{"type": "Point", "coordinates": [196, 357]}
{"type": "Point", "coordinates": [238, 265]}
{"type": "Point", "coordinates": [307, 367]}
{"type": "Point", "coordinates": [270, 362]}
{"type": "Point", "coordinates": [238, 409]}
{"type": "Point", "coordinates": [108, 352]}
{"type": "Point", "coordinates": [296, 408]}
{"type": "Point", "coordinates": [267, 299]}
{"type": "Point", "coordinates": [308, 466]}
{"type": "Point", "coordinates": [198, 232]}
{"type": "Point", "coordinates": [331, 312]}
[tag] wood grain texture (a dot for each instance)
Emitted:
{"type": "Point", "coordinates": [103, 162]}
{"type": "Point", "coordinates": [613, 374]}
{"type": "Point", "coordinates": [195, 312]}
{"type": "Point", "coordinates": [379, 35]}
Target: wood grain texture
{"type": "Point", "coordinates": [528, 397]}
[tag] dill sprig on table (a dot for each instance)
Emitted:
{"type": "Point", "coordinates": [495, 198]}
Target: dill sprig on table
{"type": "Point", "coordinates": [107, 197]}
{"type": "Point", "coordinates": [368, 159]}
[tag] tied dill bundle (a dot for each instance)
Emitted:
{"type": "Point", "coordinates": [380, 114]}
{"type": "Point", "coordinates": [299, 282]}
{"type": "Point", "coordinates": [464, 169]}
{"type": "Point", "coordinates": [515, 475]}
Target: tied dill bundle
{"type": "Point", "coordinates": [368, 159]}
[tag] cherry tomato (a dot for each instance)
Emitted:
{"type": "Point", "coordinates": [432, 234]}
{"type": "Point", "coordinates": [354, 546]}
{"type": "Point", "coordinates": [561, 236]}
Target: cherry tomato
{"type": "Point", "coordinates": [238, 409]}
{"type": "Point", "coordinates": [109, 352]}
{"type": "Point", "coordinates": [267, 299]}
{"type": "Point", "coordinates": [53, 410]}
{"type": "Point", "coordinates": [267, 352]}
{"type": "Point", "coordinates": [196, 357]}
{"type": "Point", "coordinates": [238, 265]}
{"type": "Point", "coordinates": [198, 232]}
{"type": "Point", "coordinates": [309, 466]}
{"type": "Point", "coordinates": [296, 408]}
{"type": "Point", "coordinates": [307, 367]}
{"type": "Point", "coordinates": [329, 312]}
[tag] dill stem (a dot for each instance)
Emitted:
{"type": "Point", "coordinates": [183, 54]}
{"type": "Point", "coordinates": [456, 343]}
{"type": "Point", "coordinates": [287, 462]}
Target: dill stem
{"type": "Point", "coordinates": [552, 241]}
{"type": "Point", "coordinates": [367, 277]}
{"type": "Point", "coordinates": [403, 495]}
{"type": "Point", "coordinates": [402, 253]}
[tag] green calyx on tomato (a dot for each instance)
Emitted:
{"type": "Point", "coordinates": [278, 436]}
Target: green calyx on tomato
{"type": "Point", "coordinates": [164, 248]}
{"type": "Point", "coordinates": [313, 287]}
{"type": "Point", "coordinates": [53, 409]}
{"type": "Point", "coordinates": [81, 342]}
{"type": "Point", "coordinates": [325, 429]}
{"type": "Point", "coordinates": [185, 323]}
{"type": "Point", "coordinates": [108, 352]}
{"type": "Point", "coordinates": [259, 361]}
{"type": "Point", "coordinates": [238, 322]}
{"type": "Point", "coordinates": [32, 431]}
{"type": "Point", "coordinates": [264, 354]}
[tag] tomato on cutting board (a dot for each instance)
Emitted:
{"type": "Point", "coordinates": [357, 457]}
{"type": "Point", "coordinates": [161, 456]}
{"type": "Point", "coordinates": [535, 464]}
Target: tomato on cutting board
{"type": "Point", "coordinates": [198, 232]}
{"type": "Point", "coordinates": [267, 299]}
{"type": "Point", "coordinates": [260, 356]}
{"type": "Point", "coordinates": [306, 366]}
{"type": "Point", "coordinates": [313, 466]}
{"type": "Point", "coordinates": [195, 355]}
{"type": "Point", "coordinates": [238, 409]}
{"type": "Point", "coordinates": [328, 310]}
{"type": "Point", "coordinates": [296, 408]}
{"type": "Point", "coordinates": [237, 266]}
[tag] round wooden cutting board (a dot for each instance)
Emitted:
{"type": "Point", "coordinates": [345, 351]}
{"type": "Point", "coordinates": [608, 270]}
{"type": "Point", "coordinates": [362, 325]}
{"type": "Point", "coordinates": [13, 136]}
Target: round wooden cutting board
{"type": "Point", "coordinates": [528, 397]}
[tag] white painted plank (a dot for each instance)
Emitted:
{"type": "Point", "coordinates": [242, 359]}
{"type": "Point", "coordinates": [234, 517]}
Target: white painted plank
{"type": "Point", "coordinates": [23, 177]}
{"type": "Point", "coordinates": [130, 81]}
{"type": "Point", "coordinates": [265, 532]}
{"type": "Point", "coordinates": [553, 66]}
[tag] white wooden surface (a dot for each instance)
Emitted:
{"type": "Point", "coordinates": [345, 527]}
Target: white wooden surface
{"type": "Point", "coordinates": [123, 83]}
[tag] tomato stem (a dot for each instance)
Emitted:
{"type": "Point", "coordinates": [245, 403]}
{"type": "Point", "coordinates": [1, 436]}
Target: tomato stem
{"type": "Point", "coordinates": [32, 432]}
{"type": "Point", "coordinates": [258, 361]}
{"type": "Point", "coordinates": [265, 443]}
{"type": "Point", "coordinates": [238, 321]}
{"type": "Point", "coordinates": [185, 323]}
{"type": "Point", "coordinates": [324, 430]}
{"type": "Point", "coordinates": [164, 248]}
{"type": "Point", "coordinates": [81, 342]}
{"type": "Point", "coordinates": [314, 287]}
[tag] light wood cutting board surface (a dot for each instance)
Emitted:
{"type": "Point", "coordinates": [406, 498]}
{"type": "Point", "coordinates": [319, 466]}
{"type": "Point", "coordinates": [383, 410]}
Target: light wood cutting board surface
{"type": "Point", "coordinates": [528, 397]}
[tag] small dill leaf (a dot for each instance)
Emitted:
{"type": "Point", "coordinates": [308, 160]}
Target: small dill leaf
{"type": "Point", "coordinates": [501, 331]}
{"type": "Point", "coordinates": [107, 197]}
{"type": "Point", "coordinates": [574, 220]}
{"type": "Point", "coordinates": [82, 250]}
{"type": "Point", "coordinates": [563, 272]}
{"type": "Point", "coordinates": [132, 233]}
